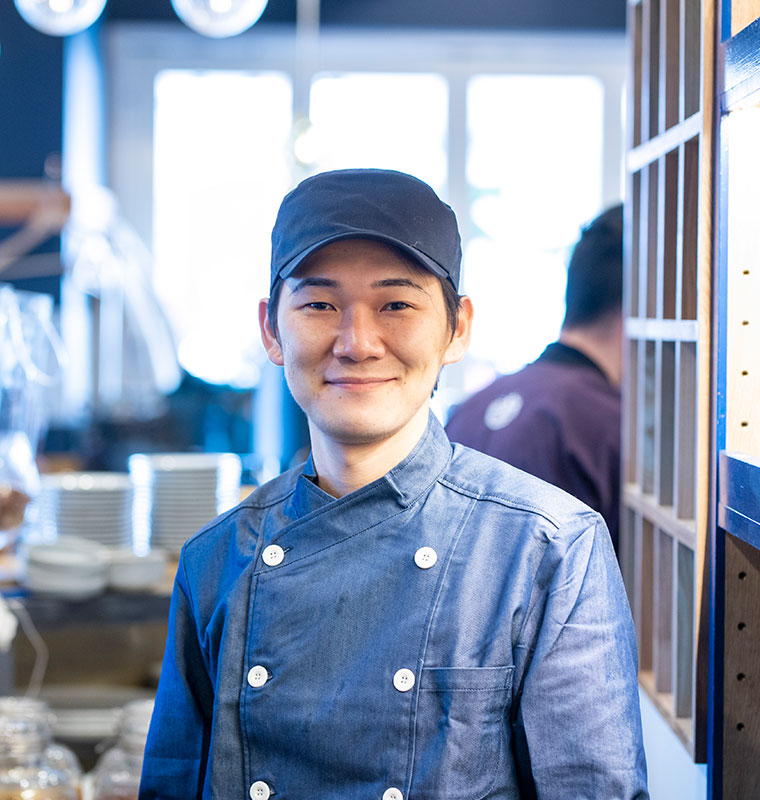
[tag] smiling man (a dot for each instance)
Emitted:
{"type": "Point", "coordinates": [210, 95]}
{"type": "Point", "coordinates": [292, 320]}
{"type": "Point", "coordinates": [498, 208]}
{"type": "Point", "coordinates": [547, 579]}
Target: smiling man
{"type": "Point", "coordinates": [400, 617]}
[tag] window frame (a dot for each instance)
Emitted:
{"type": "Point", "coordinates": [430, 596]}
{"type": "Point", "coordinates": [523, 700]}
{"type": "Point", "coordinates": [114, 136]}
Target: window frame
{"type": "Point", "coordinates": [136, 52]}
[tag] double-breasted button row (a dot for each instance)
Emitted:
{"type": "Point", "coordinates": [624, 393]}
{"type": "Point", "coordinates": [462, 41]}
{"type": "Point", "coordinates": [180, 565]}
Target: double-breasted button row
{"type": "Point", "coordinates": [424, 558]}
{"type": "Point", "coordinates": [262, 791]}
{"type": "Point", "coordinates": [403, 679]}
{"type": "Point", "coordinates": [257, 677]}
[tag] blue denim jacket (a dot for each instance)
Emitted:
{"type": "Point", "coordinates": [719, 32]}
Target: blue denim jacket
{"type": "Point", "coordinates": [456, 629]}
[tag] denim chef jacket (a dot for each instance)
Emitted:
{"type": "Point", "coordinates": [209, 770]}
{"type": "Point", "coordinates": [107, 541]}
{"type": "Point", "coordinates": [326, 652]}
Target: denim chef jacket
{"type": "Point", "coordinates": [457, 629]}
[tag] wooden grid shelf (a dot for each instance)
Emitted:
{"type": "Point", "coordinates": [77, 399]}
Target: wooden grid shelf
{"type": "Point", "coordinates": [667, 350]}
{"type": "Point", "coordinates": [663, 701]}
{"type": "Point", "coordinates": [646, 506]}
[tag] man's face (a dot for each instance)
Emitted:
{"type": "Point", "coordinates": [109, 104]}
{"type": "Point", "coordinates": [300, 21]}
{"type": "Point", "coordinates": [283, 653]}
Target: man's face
{"type": "Point", "coordinates": [362, 335]}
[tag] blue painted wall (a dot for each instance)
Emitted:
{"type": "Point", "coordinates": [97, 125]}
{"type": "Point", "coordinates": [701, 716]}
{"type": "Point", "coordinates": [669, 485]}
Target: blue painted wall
{"type": "Point", "coordinates": [31, 96]}
{"type": "Point", "coordinates": [31, 102]}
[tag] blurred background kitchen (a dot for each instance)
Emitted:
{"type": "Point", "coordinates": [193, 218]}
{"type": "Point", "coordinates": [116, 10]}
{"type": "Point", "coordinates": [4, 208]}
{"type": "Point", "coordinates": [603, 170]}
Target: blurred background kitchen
{"type": "Point", "coordinates": [144, 148]}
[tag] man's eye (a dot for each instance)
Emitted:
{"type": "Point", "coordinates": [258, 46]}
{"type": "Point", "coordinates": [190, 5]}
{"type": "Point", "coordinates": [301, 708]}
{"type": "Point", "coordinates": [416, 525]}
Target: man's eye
{"type": "Point", "coordinates": [397, 305]}
{"type": "Point", "coordinates": [317, 306]}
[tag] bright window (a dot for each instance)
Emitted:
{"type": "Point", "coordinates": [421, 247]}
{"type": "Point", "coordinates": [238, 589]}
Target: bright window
{"type": "Point", "coordinates": [521, 135]}
{"type": "Point", "coordinates": [221, 165]}
{"type": "Point", "coordinates": [534, 171]}
{"type": "Point", "coordinates": [389, 121]}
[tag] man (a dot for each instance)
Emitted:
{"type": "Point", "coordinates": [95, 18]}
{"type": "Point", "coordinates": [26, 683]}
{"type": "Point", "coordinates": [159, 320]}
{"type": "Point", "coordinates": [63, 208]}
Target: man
{"type": "Point", "coordinates": [399, 618]}
{"type": "Point", "coordinates": [559, 417]}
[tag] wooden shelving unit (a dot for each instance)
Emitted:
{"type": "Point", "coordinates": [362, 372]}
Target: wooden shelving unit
{"type": "Point", "coordinates": [666, 438]}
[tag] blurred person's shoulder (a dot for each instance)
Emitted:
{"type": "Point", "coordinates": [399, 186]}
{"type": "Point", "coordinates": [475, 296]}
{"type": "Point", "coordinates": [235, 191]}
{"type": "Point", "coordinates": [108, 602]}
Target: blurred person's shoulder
{"type": "Point", "coordinates": [537, 388]}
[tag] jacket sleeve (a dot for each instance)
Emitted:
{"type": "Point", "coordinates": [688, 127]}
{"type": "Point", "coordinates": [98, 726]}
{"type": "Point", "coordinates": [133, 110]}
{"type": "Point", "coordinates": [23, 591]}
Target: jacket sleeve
{"type": "Point", "coordinates": [176, 752]}
{"type": "Point", "coordinates": [577, 726]}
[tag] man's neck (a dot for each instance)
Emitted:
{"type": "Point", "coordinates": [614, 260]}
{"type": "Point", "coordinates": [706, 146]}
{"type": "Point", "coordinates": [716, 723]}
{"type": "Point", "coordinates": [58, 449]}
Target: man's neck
{"type": "Point", "coordinates": [343, 468]}
{"type": "Point", "coordinates": [601, 342]}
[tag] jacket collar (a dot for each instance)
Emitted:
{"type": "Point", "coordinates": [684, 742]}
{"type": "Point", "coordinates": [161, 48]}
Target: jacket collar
{"type": "Point", "coordinates": [330, 519]}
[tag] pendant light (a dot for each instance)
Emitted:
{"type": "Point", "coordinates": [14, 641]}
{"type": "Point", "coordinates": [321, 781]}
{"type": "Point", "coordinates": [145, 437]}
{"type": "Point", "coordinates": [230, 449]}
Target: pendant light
{"type": "Point", "coordinates": [60, 17]}
{"type": "Point", "coordinates": [219, 18]}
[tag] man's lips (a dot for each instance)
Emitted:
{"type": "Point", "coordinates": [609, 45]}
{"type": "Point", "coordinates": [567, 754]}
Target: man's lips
{"type": "Point", "coordinates": [357, 382]}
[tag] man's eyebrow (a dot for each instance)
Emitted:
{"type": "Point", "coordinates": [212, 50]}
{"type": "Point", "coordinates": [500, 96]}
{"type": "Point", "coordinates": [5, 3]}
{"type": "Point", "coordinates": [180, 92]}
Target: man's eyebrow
{"type": "Point", "coordinates": [306, 282]}
{"type": "Point", "coordinates": [407, 282]}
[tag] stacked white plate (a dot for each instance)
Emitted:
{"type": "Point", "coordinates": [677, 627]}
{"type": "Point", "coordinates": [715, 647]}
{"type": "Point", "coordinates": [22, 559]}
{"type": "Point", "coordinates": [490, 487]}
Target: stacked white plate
{"type": "Point", "coordinates": [178, 493]}
{"type": "Point", "coordinates": [69, 567]}
{"type": "Point", "coordinates": [91, 505]}
{"type": "Point", "coordinates": [129, 572]}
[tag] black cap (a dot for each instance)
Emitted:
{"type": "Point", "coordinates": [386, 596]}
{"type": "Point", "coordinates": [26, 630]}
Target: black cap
{"type": "Point", "coordinates": [380, 204]}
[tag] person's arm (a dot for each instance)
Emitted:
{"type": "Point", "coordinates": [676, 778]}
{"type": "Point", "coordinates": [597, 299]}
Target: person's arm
{"type": "Point", "coordinates": [177, 748]}
{"type": "Point", "coordinates": [578, 723]}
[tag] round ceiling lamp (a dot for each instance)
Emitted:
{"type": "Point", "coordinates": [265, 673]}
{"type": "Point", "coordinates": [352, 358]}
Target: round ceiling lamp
{"type": "Point", "coordinates": [60, 17]}
{"type": "Point", "coordinates": [219, 18]}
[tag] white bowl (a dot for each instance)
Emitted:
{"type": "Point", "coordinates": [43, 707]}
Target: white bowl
{"type": "Point", "coordinates": [70, 554]}
{"type": "Point", "coordinates": [69, 567]}
{"type": "Point", "coordinates": [130, 572]}
{"type": "Point", "coordinates": [73, 587]}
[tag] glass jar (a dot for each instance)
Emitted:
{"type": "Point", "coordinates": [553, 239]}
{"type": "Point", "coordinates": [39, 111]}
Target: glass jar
{"type": "Point", "coordinates": [117, 773]}
{"type": "Point", "coordinates": [56, 754]}
{"type": "Point", "coordinates": [30, 357]}
{"type": "Point", "coordinates": [26, 773]}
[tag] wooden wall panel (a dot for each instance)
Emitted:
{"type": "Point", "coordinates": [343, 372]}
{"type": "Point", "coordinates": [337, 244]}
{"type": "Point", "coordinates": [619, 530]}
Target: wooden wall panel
{"type": "Point", "coordinates": [743, 283]}
{"type": "Point", "coordinates": [741, 694]}
{"type": "Point", "coordinates": [742, 13]}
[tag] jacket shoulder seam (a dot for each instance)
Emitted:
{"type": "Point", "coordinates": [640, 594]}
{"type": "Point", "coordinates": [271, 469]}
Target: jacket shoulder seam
{"type": "Point", "coordinates": [509, 502]}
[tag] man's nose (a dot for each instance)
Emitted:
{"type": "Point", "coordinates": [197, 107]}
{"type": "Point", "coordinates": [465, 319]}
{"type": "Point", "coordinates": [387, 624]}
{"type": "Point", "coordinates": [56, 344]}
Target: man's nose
{"type": "Point", "coordinates": [358, 336]}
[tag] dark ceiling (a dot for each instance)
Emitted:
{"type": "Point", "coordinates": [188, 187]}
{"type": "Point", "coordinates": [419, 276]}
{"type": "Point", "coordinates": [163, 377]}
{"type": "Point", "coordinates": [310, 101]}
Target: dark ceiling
{"type": "Point", "coordinates": [476, 14]}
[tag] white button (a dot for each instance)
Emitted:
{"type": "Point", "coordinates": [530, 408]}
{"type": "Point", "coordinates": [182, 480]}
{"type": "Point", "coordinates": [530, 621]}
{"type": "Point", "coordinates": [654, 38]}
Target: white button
{"type": "Point", "coordinates": [257, 676]}
{"type": "Point", "coordinates": [273, 555]}
{"type": "Point", "coordinates": [403, 680]}
{"type": "Point", "coordinates": [425, 557]}
{"type": "Point", "coordinates": [260, 791]}
{"type": "Point", "coordinates": [392, 794]}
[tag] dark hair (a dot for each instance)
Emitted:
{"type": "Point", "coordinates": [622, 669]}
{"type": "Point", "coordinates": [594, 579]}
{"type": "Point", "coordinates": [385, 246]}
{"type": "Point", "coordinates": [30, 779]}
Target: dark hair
{"type": "Point", "coordinates": [451, 298]}
{"type": "Point", "coordinates": [595, 271]}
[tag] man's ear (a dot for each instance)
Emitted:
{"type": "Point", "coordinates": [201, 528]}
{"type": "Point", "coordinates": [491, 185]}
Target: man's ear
{"type": "Point", "coordinates": [460, 341]}
{"type": "Point", "coordinates": [268, 336]}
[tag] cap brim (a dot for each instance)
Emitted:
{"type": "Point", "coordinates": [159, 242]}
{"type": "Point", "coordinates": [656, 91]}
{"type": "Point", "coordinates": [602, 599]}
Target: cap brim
{"type": "Point", "coordinates": [421, 258]}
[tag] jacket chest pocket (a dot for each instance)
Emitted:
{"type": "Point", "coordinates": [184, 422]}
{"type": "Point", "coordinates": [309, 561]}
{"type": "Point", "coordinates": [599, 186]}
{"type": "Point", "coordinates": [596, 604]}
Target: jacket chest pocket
{"type": "Point", "coordinates": [460, 732]}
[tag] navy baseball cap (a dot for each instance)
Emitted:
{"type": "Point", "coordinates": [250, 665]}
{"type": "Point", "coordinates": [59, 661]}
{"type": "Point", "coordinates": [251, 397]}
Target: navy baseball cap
{"type": "Point", "coordinates": [380, 204]}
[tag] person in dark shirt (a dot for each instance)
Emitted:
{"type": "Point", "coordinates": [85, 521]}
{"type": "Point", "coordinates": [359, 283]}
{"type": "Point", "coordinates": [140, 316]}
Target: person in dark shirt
{"type": "Point", "coordinates": [559, 417]}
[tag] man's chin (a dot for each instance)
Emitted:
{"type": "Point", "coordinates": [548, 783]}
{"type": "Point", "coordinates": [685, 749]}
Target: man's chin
{"type": "Point", "coordinates": [362, 436]}
{"type": "Point", "coordinates": [359, 431]}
